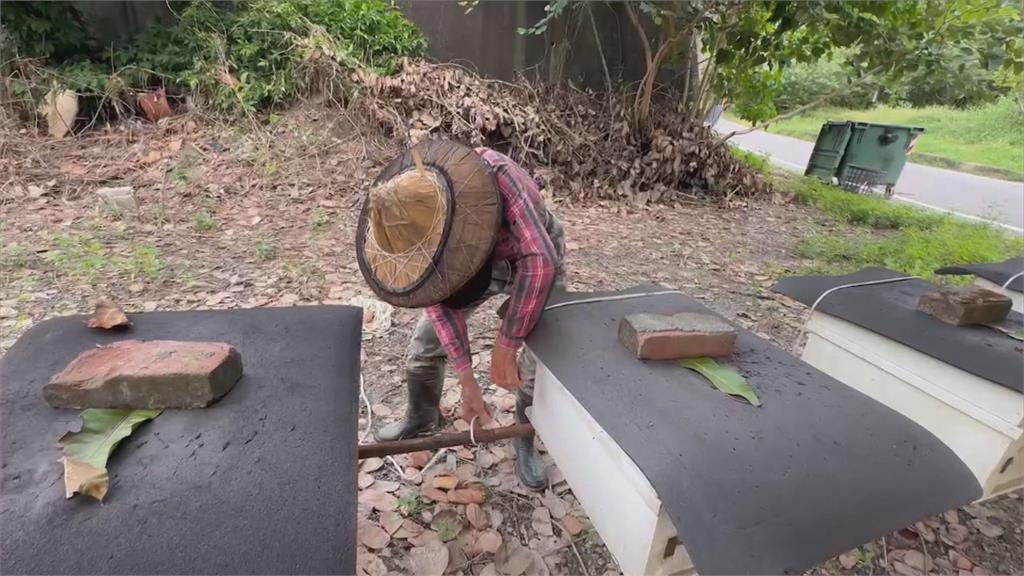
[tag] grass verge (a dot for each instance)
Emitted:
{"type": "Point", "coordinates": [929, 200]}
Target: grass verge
{"type": "Point", "coordinates": [896, 236]}
{"type": "Point", "coordinates": [988, 140]}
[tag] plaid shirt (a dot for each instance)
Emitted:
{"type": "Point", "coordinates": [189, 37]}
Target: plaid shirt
{"type": "Point", "coordinates": [522, 241]}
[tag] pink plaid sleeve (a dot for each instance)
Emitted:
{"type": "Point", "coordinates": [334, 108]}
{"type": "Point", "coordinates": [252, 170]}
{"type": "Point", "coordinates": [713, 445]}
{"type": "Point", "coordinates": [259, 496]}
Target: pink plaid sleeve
{"type": "Point", "coordinates": [535, 268]}
{"type": "Point", "coordinates": [450, 327]}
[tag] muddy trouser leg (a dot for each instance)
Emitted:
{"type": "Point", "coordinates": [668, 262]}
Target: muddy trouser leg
{"type": "Point", "coordinates": [424, 379]}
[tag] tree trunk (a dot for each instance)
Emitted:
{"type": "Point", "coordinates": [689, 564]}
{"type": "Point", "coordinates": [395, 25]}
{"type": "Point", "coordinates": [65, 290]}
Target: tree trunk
{"type": "Point", "coordinates": [693, 73]}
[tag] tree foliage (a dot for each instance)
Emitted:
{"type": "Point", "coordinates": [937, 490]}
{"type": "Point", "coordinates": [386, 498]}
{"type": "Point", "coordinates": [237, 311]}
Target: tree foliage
{"type": "Point", "coordinates": [50, 30]}
{"type": "Point", "coordinates": [744, 47]}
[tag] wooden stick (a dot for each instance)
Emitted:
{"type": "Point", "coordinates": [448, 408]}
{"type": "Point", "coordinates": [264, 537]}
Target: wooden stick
{"type": "Point", "coordinates": [482, 435]}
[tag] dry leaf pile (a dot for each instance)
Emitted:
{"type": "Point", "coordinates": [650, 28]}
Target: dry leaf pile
{"type": "Point", "coordinates": [581, 145]}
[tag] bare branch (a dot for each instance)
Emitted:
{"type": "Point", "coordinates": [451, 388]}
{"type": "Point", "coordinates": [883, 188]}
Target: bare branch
{"type": "Point", "coordinates": [801, 109]}
{"type": "Point", "coordinates": [707, 79]}
{"type": "Point", "coordinates": [600, 50]}
{"type": "Point", "coordinates": [639, 28]}
{"type": "Point", "coordinates": [642, 103]}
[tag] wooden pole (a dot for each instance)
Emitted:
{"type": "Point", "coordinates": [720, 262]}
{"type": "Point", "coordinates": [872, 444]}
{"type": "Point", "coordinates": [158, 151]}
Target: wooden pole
{"type": "Point", "coordinates": [482, 436]}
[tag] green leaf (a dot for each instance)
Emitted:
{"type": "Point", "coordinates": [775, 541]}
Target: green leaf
{"type": "Point", "coordinates": [86, 451]}
{"type": "Point", "coordinates": [722, 378]}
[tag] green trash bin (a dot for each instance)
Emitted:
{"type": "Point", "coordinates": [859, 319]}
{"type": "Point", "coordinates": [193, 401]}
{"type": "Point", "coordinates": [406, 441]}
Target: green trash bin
{"type": "Point", "coordinates": [828, 150]}
{"type": "Point", "coordinates": [875, 156]}
{"type": "Point", "coordinates": [862, 156]}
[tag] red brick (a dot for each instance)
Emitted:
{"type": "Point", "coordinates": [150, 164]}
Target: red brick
{"type": "Point", "coordinates": [685, 335]}
{"type": "Point", "coordinates": [145, 375]}
{"type": "Point", "coordinates": [965, 305]}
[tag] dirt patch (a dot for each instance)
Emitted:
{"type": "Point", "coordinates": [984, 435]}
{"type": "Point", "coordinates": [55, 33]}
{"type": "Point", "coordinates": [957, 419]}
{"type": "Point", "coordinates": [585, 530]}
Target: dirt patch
{"type": "Point", "coordinates": [223, 217]}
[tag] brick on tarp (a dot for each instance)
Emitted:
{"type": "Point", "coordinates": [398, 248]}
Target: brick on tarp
{"type": "Point", "coordinates": [146, 375]}
{"type": "Point", "coordinates": [677, 336]}
{"type": "Point", "coordinates": [965, 305]}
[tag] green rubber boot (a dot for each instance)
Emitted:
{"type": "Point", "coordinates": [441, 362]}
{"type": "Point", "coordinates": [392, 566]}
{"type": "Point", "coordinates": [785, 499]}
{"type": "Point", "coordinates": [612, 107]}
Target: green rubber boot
{"type": "Point", "coordinates": [529, 465]}
{"type": "Point", "coordinates": [423, 413]}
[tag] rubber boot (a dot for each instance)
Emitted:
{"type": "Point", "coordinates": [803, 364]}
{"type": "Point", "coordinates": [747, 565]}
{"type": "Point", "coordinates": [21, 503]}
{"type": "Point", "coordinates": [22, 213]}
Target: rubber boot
{"type": "Point", "coordinates": [423, 413]}
{"type": "Point", "coordinates": [529, 466]}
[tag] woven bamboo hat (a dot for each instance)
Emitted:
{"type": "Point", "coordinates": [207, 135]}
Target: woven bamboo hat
{"type": "Point", "coordinates": [428, 225]}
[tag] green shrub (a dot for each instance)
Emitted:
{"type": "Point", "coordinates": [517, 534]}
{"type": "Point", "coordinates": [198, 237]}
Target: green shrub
{"type": "Point", "coordinates": [248, 56]}
{"type": "Point", "coordinates": [48, 30]}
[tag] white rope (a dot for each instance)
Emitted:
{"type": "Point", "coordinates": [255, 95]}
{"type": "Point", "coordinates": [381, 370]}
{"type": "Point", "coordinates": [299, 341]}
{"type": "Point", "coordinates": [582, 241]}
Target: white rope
{"type": "Point", "coordinates": [803, 329]}
{"type": "Point", "coordinates": [610, 298]}
{"type": "Point", "coordinates": [472, 437]}
{"type": "Point", "coordinates": [369, 412]}
{"type": "Point", "coordinates": [1012, 278]}
{"type": "Point", "coordinates": [401, 473]}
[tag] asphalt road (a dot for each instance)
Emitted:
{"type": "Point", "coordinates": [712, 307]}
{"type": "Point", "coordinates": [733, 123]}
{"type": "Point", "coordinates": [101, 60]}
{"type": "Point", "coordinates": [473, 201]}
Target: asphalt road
{"type": "Point", "coordinates": [975, 197]}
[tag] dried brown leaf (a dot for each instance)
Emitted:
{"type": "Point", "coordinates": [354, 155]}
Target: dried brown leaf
{"type": "Point", "coordinates": [387, 485]}
{"type": "Point", "coordinates": [379, 500]}
{"type": "Point", "coordinates": [425, 538]}
{"type": "Point", "coordinates": [431, 560]}
{"type": "Point", "coordinates": [512, 559]}
{"type": "Point", "coordinates": [431, 493]}
{"type": "Point", "coordinates": [447, 524]}
{"type": "Point", "coordinates": [476, 516]}
{"type": "Point", "coordinates": [108, 315]}
{"type": "Point", "coordinates": [988, 529]}
{"type": "Point", "coordinates": [373, 536]}
{"type": "Point", "coordinates": [444, 482]}
{"type": "Point", "coordinates": [541, 521]}
{"type": "Point", "coordinates": [572, 525]}
{"type": "Point", "coordinates": [472, 494]}
{"type": "Point", "coordinates": [409, 529]}
{"type": "Point", "coordinates": [369, 564]}
{"type": "Point", "coordinates": [457, 559]}
{"type": "Point", "coordinates": [555, 505]}
{"type": "Point", "coordinates": [391, 521]}
{"type": "Point", "coordinates": [413, 476]}
{"type": "Point", "coordinates": [487, 542]}
{"type": "Point", "coordinates": [955, 534]}
{"type": "Point", "coordinates": [371, 465]}
{"type": "Point", "coordinates": [419, 459]}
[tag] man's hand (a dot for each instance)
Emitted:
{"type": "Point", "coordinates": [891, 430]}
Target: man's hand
{"type": "Point", "coordinates": [473, 404]}
{"type": "Point", "coordinates": [504, 369]}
